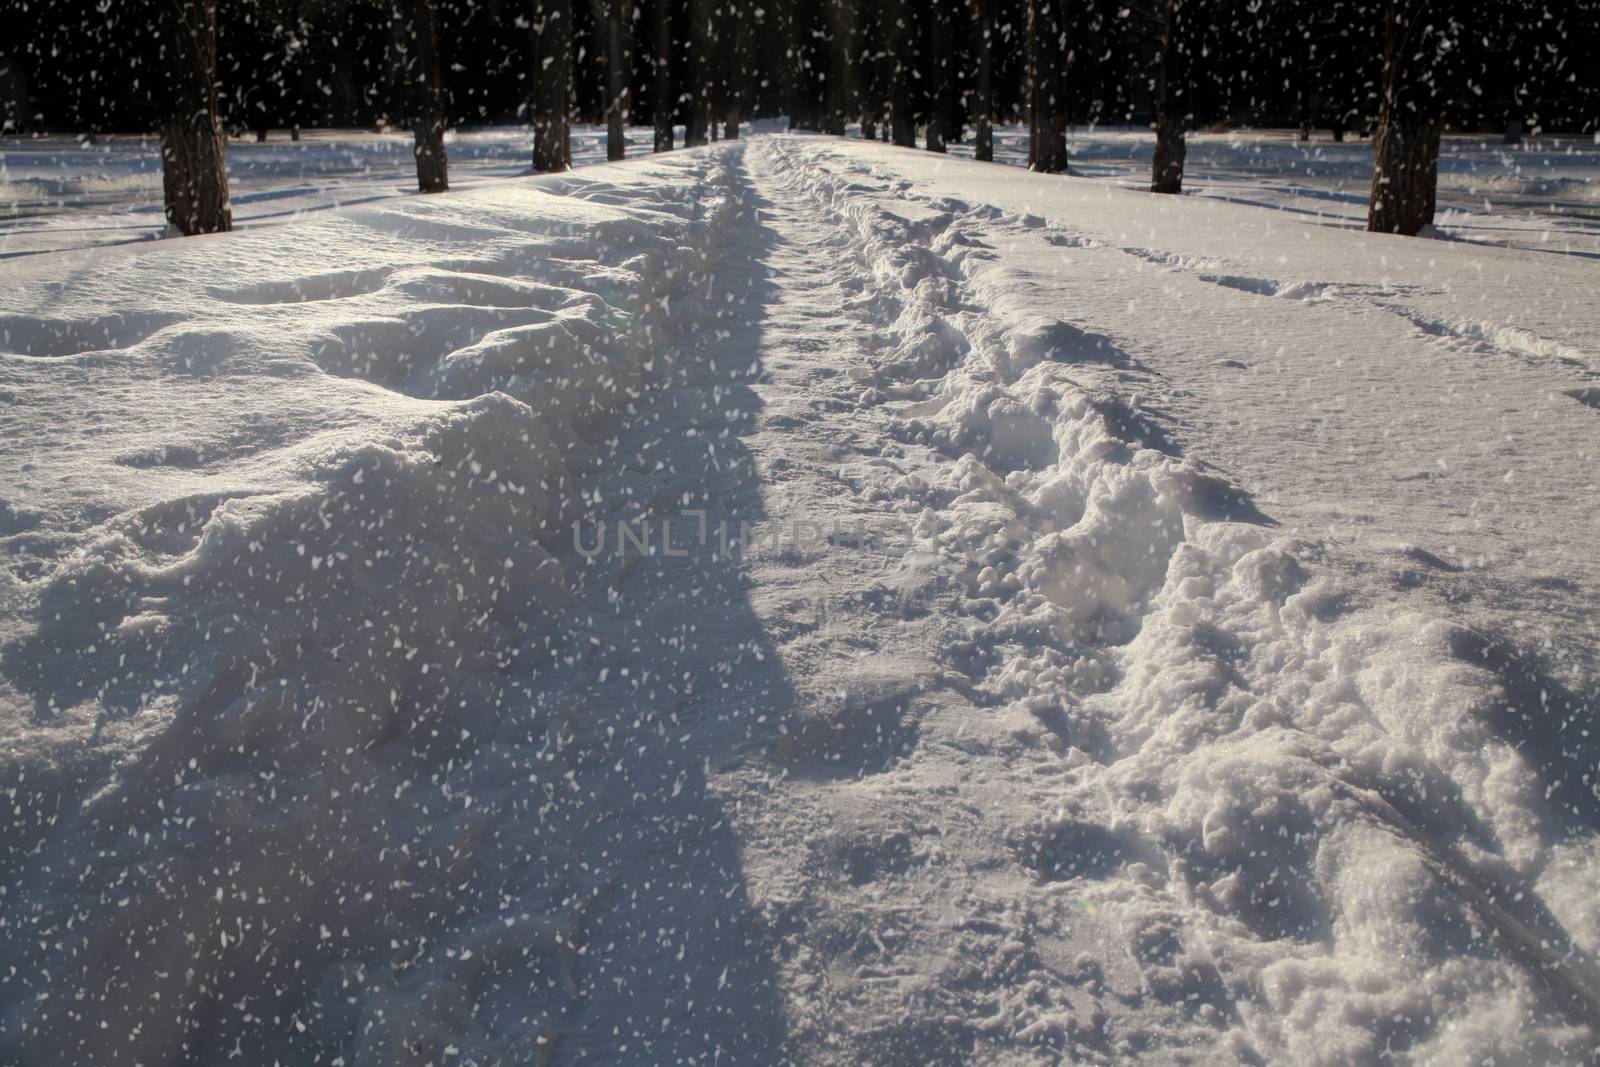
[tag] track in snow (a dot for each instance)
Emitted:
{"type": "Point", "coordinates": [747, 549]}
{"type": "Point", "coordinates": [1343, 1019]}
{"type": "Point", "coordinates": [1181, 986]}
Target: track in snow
{"type": "Point", "coordinates": [1013, 730]}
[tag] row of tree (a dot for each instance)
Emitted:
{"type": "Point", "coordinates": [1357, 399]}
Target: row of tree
{"type": "Point", "coordinates": [944, 69]}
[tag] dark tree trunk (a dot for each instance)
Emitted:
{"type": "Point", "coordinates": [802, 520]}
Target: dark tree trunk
{"type": "Point", "coordinates": [619, 28]}
{"type": "Point", "coordinates": [1047, 88]}
{"type": "Point", "coordinates": [1404, 174]}
{"type": "Point", "coordinates": [1172, 102]}
{"type": "Point", "coordinates": [902, 130]}
{"type": "Point", "coordinates": [902, 127]}
{"type": "Point", "coordinates": [938, 77]}
{"type": "Point", "coordinates": [661, 98]}
{"type": "Point", "coordinates": [420, 72]}
{"type": "Point", "coordinates": [840, 88]}
{"type": "Point", "coordinates": [871, 83]}
{"type": "Point", "coordinates": [983, 91]}
{"type": "Point", "coordinates": [697, 127]}
{"type": "Point", "coordinates": [735, 69]}
{"type": "Point", "coordinates": [1306, 98]}
{"type": "Point", "coordinates": [1405, 167]}
{"type": "Point", "coordinates": [552, 146]}
{"type": "Point", "coordinates": [194, 174]}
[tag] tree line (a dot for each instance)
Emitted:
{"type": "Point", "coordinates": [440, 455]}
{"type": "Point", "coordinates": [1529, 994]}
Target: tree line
{"type": "Point", "coordinates": [915, 72]}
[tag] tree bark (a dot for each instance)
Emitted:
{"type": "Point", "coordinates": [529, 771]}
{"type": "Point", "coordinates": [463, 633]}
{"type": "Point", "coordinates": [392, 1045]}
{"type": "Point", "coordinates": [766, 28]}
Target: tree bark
{"type": "Point", "coordinates": [938, 76]}
{"type": "Point", "coordinates": [1305, 95]}
{"type": "Point", "coordinates": [552, 146]}
{"type": "Point", "coordinates": [619, 29]}
{"type": "Point", "coordinates": [1172, 103]}
{"type": "Point", "coordinates": [194, 173]}
{"type": "Point", "coordinates": [1404, 174]}
{"type": "Point", "coordinates": [902, 128]}
{"type": "Point", "coordinates": [983, 91]}
{"type": "Point", "coordinates": [1047, 88]}
{"type": "Point", "coordinates": [420, 70]}
{"type": "Point", "coordinates": [661, 98]}
{"type": "Point", "coordinates": [840, 86]}
{"type": "Point", "coordinates": [697, 127]}
{"type": "Point", "coordinates": [1405, 169]}
{"type": "Point", "coordinates": [734, 67]}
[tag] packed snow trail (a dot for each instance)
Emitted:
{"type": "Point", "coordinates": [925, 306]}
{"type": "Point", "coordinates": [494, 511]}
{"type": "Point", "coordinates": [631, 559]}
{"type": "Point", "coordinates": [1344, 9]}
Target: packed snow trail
{"type": "Point", "coordinates": [768, 604]}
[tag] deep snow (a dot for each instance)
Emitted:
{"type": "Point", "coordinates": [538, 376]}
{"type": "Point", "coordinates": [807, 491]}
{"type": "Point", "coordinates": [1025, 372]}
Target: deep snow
{"type": "Point", "coordinates": [1166, 630]}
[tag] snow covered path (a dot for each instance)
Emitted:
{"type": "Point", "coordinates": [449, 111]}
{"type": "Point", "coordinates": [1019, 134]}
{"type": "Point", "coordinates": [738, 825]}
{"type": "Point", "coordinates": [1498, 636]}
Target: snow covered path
{"type": "Point", "coordinates": [1092, 624]}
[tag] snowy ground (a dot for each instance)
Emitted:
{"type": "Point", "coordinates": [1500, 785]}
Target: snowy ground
{"type": "Point", "coordinates": [59, 194]}
{"type": "Point", "coordinates": [1542, 195]}
{"type": "Point", "coordinates": [1166, 629]}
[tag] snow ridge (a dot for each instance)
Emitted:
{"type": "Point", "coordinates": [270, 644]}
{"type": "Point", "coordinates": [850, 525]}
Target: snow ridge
{"type": "Point", "coordinates": [331, 744]}
{"type": "Point", "coordinates": [1284, 802]}
{"type": "Point", "coordinates": [337, 632]}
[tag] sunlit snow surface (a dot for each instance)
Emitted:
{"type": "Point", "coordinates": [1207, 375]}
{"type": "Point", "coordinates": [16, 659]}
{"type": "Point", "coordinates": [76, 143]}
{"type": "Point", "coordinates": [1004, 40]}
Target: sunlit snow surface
{"type": "Point", "coordinates": [57, 193]}
{"type": "Point", "coordinates": [1172, 634]}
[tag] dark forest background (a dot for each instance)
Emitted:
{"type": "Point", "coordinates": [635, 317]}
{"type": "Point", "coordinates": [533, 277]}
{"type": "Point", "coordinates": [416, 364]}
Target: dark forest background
{"type": "Point", "coordinates": [84, 65]}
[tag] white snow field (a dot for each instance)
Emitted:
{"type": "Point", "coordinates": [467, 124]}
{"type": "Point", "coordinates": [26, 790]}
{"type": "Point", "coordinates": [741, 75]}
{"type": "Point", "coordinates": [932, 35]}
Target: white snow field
{"type": "Point", "coordinates": [1543, 193]}
{"type": "Point", "coordinates": [1162, 629]}
{"type": "Point", "coordinates": [57, 193]}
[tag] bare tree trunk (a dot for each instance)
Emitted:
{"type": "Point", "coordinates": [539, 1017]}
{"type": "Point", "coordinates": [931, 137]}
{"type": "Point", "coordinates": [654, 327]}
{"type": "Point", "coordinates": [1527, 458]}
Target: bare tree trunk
{"type": "Point", "coordinates": [697, 126]}
{"type": "Point", "coordinates": [420, 71]}
{"type": "Point", "coordinates": [1306, 100]}
{"type": "Point", "coordinates": [983, 108]}
{"type": "Point", "coordinates": [619, 26]}
{"type": "Point", "coordinates": [840, 85]}
{"type": "Point", "coordinates": [552, 148]}
{"type": "Point", "coordinates": [870, 59]}
{"type": "Point", "coordinates": [1172, 103]}
{"type": "Point", "coordinates": [1405, 173]}
{"type": "Point", "coordinates": [1047, 88]}
{"type": "Point", "coordinates": [661, 97]}
{"type": "Point", "coordinates": [938, 77]}
{"type": "Point", "coordinates": [902, 129]}
{"type": "Point", "coordinates": [734, 69]}
{"type": "Point", "coordinates": [1405, 169]}
{"type": "Point", "coordinates": [194, 173]}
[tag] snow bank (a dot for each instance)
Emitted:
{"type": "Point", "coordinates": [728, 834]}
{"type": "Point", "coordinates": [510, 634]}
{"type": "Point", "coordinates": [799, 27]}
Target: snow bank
{"type": "Point", "coordinates": [295, 569]}
{"type": "Point", "coordinates": [1336, 823]}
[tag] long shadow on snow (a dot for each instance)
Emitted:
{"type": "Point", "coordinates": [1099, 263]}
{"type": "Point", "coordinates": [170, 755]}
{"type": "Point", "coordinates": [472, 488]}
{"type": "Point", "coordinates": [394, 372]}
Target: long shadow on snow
{"type": "Point", "coordinates": [676, 967]}
{"type": "Point", "coordinates": [602, 898]}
